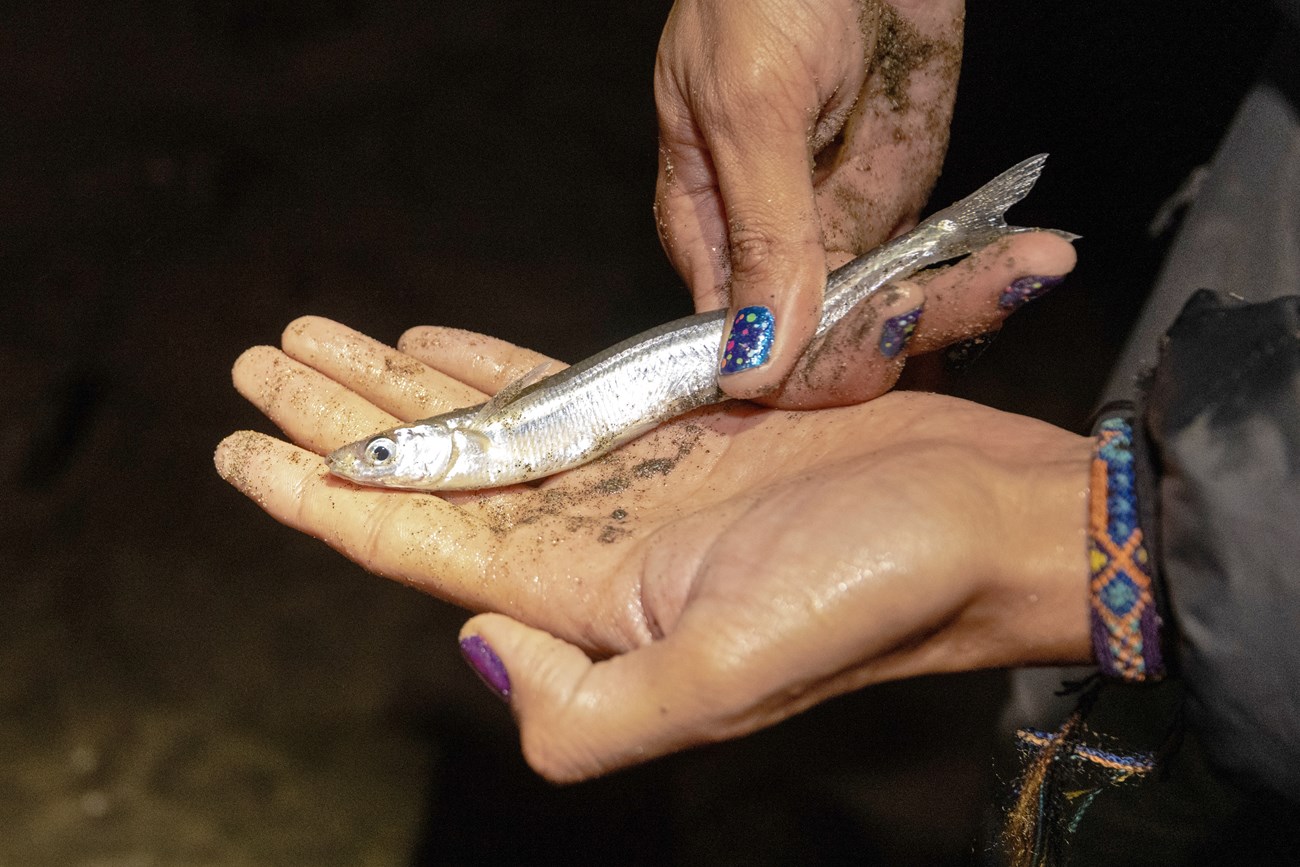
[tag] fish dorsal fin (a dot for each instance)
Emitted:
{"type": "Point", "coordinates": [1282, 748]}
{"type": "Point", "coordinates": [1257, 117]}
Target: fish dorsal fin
{"type": "Point", "coordinates": [510, 393]}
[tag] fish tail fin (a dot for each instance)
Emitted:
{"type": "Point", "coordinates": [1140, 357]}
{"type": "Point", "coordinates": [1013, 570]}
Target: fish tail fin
{"type": "Point", "coordinates": [980, 218]}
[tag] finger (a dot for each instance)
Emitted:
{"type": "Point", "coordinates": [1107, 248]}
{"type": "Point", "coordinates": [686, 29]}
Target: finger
{"type": "Point", "coordinates": [578, 718]}
{"type": "Point", "coordinates": [862, 356]}
{"type": "Point", "coordinates": [413, 538]}
{"type": "Point", "coordinates": [690, 219]}
{"type": "Point", "coordinates": [313, 410]}
{"type": "Point", "coordinates": [479, 361]}
{"type": "Point", "coordinates": [320, 414]}
{"type": "Point", "coordinates": [701, 683]}
{"type": "Point", "coordinates": [689, 215]}
{"type": "Point", "coordinates": [399, 384]}
{"type": "Point", "coordinates": [977, 294]}
{"type": "Point", "coordinates": [778, 266]}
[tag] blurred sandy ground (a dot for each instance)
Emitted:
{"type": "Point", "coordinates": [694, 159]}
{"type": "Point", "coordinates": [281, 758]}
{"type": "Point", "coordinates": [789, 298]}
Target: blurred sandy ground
{"type": "Point", "coordinates": [182, 681]}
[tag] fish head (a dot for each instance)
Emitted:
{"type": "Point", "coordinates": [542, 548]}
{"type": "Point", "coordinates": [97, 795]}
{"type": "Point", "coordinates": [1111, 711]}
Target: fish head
{"type": "Point", "coordinates": [415, 457]}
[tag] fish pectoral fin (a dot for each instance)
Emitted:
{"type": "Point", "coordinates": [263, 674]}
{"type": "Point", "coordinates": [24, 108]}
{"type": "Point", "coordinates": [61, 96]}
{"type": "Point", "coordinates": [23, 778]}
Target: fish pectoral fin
{"type": "Point", "coordinates": [468, 443]}
{"type": "Point", "coordinates": [511, 392]}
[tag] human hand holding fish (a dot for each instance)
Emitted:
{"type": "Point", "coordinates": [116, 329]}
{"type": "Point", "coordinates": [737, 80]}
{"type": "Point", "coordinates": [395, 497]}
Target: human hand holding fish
{"type": "Point", "coordinates": [720, 573]}
{"type": "Point", "coordinates": [540, 425]}
{"type": "Point", "coordinates": [751, 94]}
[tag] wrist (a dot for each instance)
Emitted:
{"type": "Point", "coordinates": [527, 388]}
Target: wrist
{"type": "Point", "coordinates": [1040, 577]}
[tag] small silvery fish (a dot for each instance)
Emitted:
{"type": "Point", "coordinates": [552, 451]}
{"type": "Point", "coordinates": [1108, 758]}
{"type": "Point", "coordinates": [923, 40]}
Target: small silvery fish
{"type": "Point", "coordinates": [538, 426]}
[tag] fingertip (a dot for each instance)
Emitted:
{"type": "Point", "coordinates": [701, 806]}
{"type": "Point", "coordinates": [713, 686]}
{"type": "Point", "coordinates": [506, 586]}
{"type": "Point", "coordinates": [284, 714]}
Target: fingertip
{"type": "Point", "coordinates": [272, 473]}
{"type": "Point", "coordinates": [902, 306]}
{"type": "Point", "coordinates": [235, 455]}
{"type": "Point", "coordinates": [768, 329]}
{"type": "Point", "coordinates": [493, 647]}
{"type": "Point", "coordinates": [1036, 262]}
{"type": "Point", "coordinates": [758, 381]}
{"type": "Point", "coordinates": [485, 626]}
{"type": "Point", "coordinates": [299, 327]}
{"type": "Point", "coordinates": [485, 662]}
{"type": "Point", "coordinates": [518, 660]}
{"type": "Point", "coordinates": [1043, 253]}
{"type": "Point", "coordinates": [977, 294]}
{"type": "Point", "coordinates": [419, 337]}
{"type": "Point", "coordinates": [225, 456]}
{"type": "Point", "coordinates": [538, 675]}
{"type": "Point", "coordinates": [244, 371]}
{"type": "Point", "coordinates": [439, 339]}
{"type": "Point", "coordinates": [253, 353]}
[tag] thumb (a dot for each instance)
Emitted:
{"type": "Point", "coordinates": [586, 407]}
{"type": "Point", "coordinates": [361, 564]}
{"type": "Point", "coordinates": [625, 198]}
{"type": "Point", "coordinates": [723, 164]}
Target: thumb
{"type": "Point", "coordinates": [778, 266]}
{"type": "Point", "coordinates": [580, 718]}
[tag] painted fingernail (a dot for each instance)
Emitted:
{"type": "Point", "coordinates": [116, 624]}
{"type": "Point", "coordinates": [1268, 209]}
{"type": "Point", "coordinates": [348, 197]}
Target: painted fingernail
{"type": "Point", "coordinates": [1027, 289]}
{"type": "Point", "coordinates": [960, 356]}
{"type": "Point", "coordinates": [750, 342]}
{"type": "Point", "coordinates": [486, 664]}
{"type": "Point", "coordinates": [897, 331]}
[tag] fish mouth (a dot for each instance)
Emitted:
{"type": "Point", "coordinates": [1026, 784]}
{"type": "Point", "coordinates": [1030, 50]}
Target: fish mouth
{"type": "Point", "coordinates": [339, 463]}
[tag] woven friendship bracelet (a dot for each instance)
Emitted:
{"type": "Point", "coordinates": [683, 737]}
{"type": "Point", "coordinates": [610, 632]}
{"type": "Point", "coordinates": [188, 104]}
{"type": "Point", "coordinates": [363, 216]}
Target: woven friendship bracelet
{"type": "Point", "coordinates": [1125, 619]}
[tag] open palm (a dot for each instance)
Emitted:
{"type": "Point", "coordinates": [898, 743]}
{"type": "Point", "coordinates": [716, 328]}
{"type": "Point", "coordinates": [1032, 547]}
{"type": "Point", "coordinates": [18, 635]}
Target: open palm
{"type": "Point", "coordinates": [727, 570]}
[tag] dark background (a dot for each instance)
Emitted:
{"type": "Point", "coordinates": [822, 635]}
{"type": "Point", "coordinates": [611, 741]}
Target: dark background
{"type": "Point", "coordinates": [182, 681]}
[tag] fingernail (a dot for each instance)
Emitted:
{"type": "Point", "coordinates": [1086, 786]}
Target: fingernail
{"type": "Point", "coordinates": [960, 356]}
{"type": "Point", "coordinates": [486, 664]}
{"type": "Point", "coordinates": [750, 342]}
{"type": "Point", "coordinates": [897, 331]}
{"type": "Point", "coordinates": [1027, 289]}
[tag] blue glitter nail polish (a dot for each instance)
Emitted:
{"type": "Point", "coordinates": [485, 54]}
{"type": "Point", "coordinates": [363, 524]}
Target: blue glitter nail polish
{"type": "Point", "coordinates": [486, 664]}
{"type": "Point", "coordinates": [896, 332]}
{"type": "Point", "coordinates": [750, 342]}
{"type": "Point", "coordinates": [1027, 289]}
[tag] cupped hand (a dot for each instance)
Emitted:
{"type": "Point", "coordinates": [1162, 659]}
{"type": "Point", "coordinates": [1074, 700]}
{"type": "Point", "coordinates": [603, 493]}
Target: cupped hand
{"type": "Point", "coordinates": [710, 578]}
{"type": "Point", "coordinates": [795, 135]}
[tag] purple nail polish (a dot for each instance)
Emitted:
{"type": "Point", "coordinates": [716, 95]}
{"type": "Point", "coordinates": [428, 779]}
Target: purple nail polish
{"type": "Point", "coordinates": [1027, 289]}
{"type": "Point", "coordinates": [897, 331]}
{"type": "Point", "coordinates": [750, 342]}
{"type": "Point", "coordinates": [486, 664]}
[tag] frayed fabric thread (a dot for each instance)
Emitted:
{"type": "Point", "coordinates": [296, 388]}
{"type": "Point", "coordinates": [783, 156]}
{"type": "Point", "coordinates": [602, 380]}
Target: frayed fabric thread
{"type": "Point", "coordinates": [1065, 772]}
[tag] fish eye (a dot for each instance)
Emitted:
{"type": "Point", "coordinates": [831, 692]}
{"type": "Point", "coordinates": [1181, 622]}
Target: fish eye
{"type": "Point", "coordinates": [380, 450]}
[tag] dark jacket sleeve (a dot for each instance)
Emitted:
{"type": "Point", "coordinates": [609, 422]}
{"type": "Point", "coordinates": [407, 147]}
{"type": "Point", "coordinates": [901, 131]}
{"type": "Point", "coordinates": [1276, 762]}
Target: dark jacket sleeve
{"type": "Point", "coordinates": [1291, 9]}
{"type": "Point", "coordinates": [1223, 418]}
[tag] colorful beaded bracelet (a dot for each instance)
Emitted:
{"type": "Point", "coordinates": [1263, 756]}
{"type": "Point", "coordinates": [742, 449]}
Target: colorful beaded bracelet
{"type": "Point", "coordinates": [1126, 620]}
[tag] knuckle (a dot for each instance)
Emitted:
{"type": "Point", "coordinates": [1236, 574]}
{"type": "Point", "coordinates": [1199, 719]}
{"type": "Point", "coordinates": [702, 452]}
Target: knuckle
{"type": "Point", "coordinates": [751, 253]}
{"type": "Point", "coordinates": [760, 256]}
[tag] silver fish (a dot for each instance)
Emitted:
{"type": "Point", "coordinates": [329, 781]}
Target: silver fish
{"type": "Point", "coordinates": [538, 426]}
